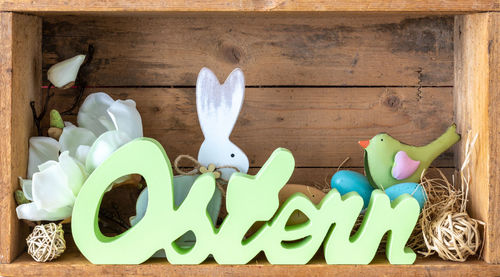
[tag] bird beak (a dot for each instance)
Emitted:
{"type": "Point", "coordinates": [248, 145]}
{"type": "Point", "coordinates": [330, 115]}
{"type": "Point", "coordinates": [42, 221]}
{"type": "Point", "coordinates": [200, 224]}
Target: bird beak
{"type": "Point", "coordinates": [364, 143]}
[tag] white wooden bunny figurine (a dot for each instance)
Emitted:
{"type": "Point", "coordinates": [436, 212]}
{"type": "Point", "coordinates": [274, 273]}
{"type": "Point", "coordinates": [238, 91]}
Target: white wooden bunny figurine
{"type": "Point", "coordinates": [218, 108]}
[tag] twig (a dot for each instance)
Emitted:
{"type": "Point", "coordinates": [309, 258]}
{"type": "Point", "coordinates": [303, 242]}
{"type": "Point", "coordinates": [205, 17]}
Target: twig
{"type": "Point", "coordinates": [35, 118]}
{"type": "Point", "coordinates": [117, 211]}
{"type": "Point", "coordinates": [77, 100]}
{"type": "Point", "coordinates": [110, 219]}
{"type": "Point", "coordinates": [38, 118]}
{"type": "Point", "coordinates": [82, 83]}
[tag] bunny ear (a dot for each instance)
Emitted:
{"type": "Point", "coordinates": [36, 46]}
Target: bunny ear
{"type": "Point", "coordinates": [219, 105]}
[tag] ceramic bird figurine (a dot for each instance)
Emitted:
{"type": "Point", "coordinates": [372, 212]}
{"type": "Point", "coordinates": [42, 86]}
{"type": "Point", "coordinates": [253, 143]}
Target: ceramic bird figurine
{"type": "Point", "coordinates": [389, 162]}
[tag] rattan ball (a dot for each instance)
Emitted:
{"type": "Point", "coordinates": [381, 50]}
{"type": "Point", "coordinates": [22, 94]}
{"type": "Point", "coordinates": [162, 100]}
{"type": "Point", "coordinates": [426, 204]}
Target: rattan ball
{"type": "Point", "coordinates": [455, 236]}
{"type": "Point", "coordinates": [46, 242]}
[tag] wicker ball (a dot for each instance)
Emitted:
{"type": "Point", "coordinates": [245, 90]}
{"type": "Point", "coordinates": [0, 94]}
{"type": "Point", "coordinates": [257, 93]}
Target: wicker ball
{"type": "Point", "coordinates": [46, 242]}
{"type": "Point", "coordinates": [455, 236]}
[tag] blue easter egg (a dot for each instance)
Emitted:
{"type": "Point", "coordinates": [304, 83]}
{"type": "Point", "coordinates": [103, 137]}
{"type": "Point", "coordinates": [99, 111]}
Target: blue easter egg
{"type": "Point", "coordinates": [412, 189]}
{"type": "Point", "coordinates": [346, 181]}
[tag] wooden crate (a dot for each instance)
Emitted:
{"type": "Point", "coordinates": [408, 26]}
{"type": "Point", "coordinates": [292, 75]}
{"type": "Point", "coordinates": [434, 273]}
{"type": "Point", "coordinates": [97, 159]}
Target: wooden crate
{"type": "Point", "coordinates": [320, 75]}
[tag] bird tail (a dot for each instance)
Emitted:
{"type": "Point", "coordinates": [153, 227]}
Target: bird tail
{"type": "Point", "coordinates": [445, 141]}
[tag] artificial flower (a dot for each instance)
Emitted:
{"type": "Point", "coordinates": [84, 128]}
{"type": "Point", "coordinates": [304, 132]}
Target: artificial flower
{"type": "Point", "coordinates": [41, 149]}
{"type": "Point", "coordinates": [104, 126]}
{"type": "Point", "coordinates": [63, 74]}
{"type": "Point", "coordinates": [53, 189]}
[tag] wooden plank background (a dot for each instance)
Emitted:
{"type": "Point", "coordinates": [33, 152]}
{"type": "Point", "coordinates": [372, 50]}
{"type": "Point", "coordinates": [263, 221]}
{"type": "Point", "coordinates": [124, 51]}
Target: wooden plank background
{"type": "Point", "coordinates": [247, 5]}
{"type": "Point", "coordinates": [272, 50]}
{"type": "Point", "coordinates": [321, 126]}
{"type": "Point", "coordinates": [316, 83]}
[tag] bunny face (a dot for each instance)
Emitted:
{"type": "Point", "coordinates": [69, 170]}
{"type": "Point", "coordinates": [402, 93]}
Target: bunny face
{"type": "Point", "coordinates": [223, 154]}
{"type": "Point", "coordinates": [218, 108]}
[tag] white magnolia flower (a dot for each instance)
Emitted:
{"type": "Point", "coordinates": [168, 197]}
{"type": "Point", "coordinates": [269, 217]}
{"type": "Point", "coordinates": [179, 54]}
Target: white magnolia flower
{"type": "Point", "coordinates": [53, 189]}
{"type": "Point", "coordinates": [64, 73]}
{"type": "Point", "coordinates": [41, 149]}
{"type": "Point", "coordinates": [104, 126]}
{"type": "Point", "coordinates": [73, 136]}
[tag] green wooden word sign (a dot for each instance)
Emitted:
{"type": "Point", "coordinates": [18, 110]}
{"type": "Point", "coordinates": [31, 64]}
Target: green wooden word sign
{"type": "Point", "coordinates": [249, 199]}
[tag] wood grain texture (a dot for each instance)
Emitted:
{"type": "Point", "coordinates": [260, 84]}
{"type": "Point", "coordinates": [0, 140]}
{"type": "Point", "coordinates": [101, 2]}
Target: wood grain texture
{"type": "Point", "coordinates": [7, 234]}
{"type": "Point", "coordinates": [72, 263]}
{"type": "Point", "coordinates": [320, 177]}
{"type": "Point", "coordinates": [477, 108]}
{"type": "Point", "coordinates": [321, 126]}
{"type": "Point", "coordinates": [21, 62]}
{"type": "Point", "coordinates": [285, 50]}
{"type": "Point", "coordinates": [247, 5]}
{"type": "Point", "coordinates": [20, 71]}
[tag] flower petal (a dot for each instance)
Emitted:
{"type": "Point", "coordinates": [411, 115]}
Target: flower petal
{"type": "Point", "coordinates": [26, 187]}
{"type": "Point", "coordinates": [31, 212]}
{"type": "Point", "coordinates": [108, 124]}
{"type": "Point", "coordinates": [94, 111]}
{"type": "Point", "coordinates": [41, 149]}
{"type": "Point", "coordinates": [65, 72]}
{"type": "Point", "coordinates": [126, 118]}
{"type": "Point", "coordinates": [81, 153]}
{"type": "Point", "coordinates": [50, 188]}
{"type": "Point", "coordinates": [103, 147]}
{"type": "Point", "coordinates": [73, 136]}
{"type": "Point", "coordinates": [46, 165]}
{"type": "Point", "coordinates": [74, 171]}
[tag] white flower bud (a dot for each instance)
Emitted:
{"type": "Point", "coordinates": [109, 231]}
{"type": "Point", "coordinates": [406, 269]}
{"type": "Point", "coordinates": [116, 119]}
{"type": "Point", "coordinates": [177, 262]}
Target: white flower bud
{"type": "Point", "coordinates": [64, 73]}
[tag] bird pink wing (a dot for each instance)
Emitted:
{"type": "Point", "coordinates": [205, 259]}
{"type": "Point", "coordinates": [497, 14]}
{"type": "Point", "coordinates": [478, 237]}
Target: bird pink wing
{"type": "Point", "coordinates": [403, 166]}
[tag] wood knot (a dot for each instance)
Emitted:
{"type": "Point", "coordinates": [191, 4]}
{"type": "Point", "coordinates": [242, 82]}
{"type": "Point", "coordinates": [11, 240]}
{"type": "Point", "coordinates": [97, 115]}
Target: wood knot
{"type": "Point", "coordinates": [232, 54]}
{"type": "Point", "coordinates": [392, 101]}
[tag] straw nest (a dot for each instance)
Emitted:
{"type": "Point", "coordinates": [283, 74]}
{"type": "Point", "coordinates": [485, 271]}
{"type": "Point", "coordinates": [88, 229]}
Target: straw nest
{"type": "Point", "coordinates": [446, 227]}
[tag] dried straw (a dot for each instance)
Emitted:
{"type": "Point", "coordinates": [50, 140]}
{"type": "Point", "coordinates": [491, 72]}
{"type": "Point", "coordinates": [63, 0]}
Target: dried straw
{"type": "Point", "coordinates": [447, 229]}
{"type": "Point", "coordinates": [46, 242]}
{"type": "Point", "coordinates": [415, 242]}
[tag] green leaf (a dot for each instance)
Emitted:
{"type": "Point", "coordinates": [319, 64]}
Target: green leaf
{"type": "Point", "coordinates": [20, 198]}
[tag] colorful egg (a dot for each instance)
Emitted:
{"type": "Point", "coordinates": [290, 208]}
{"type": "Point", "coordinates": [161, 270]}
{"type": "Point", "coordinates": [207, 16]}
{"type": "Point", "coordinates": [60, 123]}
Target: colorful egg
{"type": "Point", "coordinates": [412, 189]}
{"type": "Point", "coordinates": [297, 217]}
{"type": "Point", "coordinates": [314, 194]}
{"type": "Point", "coordinates": [346, 181]}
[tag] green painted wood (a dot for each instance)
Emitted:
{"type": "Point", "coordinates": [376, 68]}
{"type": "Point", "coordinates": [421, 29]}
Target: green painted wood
{"type": "Point", "coordinates": [248, 199]}
{"type": "Point", "coordinates": [382, 149]}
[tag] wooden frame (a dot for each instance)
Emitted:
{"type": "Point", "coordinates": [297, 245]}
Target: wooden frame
{"type": "Point", "coordinates": [249, 5]}
{"type": "Point", "coordinates": [20, 83]}
{"type": "Point", "coordinates": [476, 104]}
{"type": "Point", "coordinates": [477, 107]}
